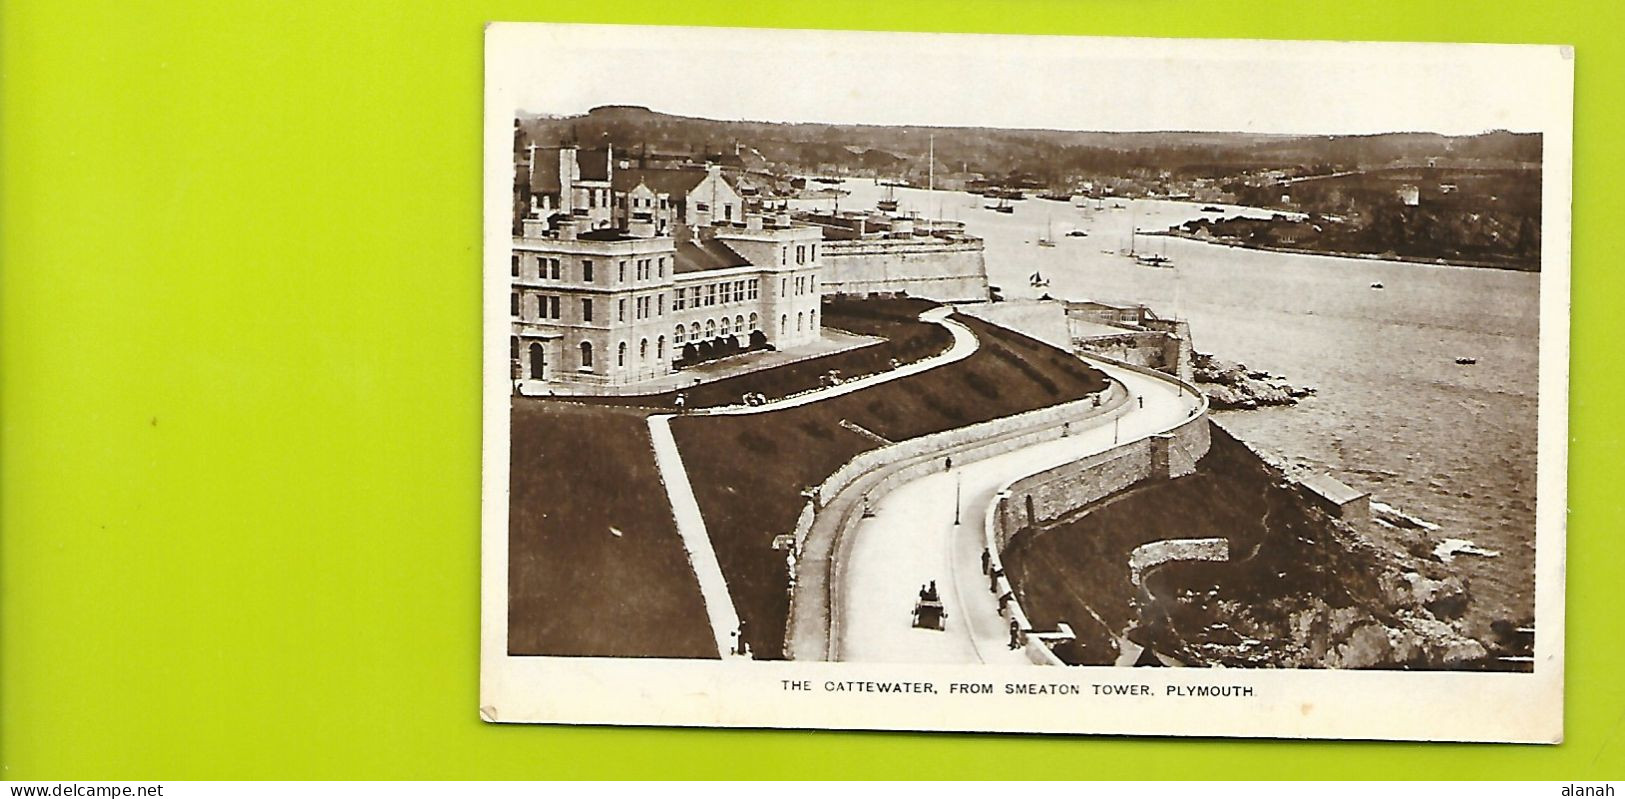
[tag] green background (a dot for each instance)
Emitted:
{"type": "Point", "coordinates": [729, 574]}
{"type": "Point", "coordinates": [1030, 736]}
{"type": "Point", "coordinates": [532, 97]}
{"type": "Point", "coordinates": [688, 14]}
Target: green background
{"type": "Point", "coordinates": [239, 480]}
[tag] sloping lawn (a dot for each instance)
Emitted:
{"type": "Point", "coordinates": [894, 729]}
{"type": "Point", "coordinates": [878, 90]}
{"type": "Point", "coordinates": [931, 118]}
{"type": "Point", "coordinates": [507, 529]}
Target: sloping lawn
{"type": "Point", "coordinates": [748, 471]}
{"type": "Point", "coordinates": [596, 566]}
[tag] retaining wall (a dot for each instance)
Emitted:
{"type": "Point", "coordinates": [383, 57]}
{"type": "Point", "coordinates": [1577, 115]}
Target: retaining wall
{"type": "Point", "coordinates": [1027, 504]}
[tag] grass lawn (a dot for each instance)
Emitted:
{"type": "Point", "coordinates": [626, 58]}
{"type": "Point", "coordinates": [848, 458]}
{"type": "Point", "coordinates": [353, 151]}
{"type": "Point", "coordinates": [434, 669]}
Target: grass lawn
{"type": "Point", "coordinates": [748, 471]}
{"type": "Point", "coordinates": [595, 565]}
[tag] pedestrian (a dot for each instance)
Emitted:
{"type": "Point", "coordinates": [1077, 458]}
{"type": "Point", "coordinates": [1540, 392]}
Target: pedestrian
{"type": "Point", "coordinates": [948, 463]}
{"type": "Point", "coordinates": [987, 561]}
{"type": "Point", "coordinates": [680, 401]}
{"type": "Point", "coordinates": [1141, 398]}
{"type": "Point", "coordinates": [1015, 634]}
{"type": "Point", "coordinates": [933, 595]}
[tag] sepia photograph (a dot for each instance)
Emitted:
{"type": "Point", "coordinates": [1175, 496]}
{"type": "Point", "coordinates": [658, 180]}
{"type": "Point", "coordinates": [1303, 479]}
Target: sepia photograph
{"type": "Point", "coordinates": [967, 382]}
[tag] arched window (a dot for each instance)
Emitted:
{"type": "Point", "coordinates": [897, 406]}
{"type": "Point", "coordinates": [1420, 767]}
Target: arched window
{"type": "Point", "coordinates": [586, 355]}
{"type": "Point", "coordinates": [660, 348]}
{"type": "Point", "coordinates": [677, 337]}
{"type": "Point", "coordinates": [538, 362]}
{"type": "Point", "coordinates": [812, 320]}
{"type": "Point", "coordinates": [799, 318]}
{"type": "Point", "coordinates": [620, 355]}
{"type": "Point", "coordinates": [694, 332]}
{"type": "Point", "coordinates": [726, 325]}
{"type": "Point", "coordinates": [784, 323]}
{"type": "Point", "coordinates": [739, 324]}
{"type": "Point", "coordinates": [643, 350]}
{"type": "Point", "coordinates": [755, 323]}
{"type": "Point", "coordinates": [710, 328]}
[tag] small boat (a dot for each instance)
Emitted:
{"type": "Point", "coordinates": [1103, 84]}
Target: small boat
{"type": "Point", "coordinates": [1377, 285]}
{"type": "Point", "coordinates": [1213, 208]}
{"type": "Point", "coordinates": [1118, 206]}
{"type": "Point", "coordinates": [888, 204]}
{"type": "Point", "coordinates": [1049, 235]}
{"type": "Point", "coordinates": [1037, 280]}
{"type": "Point", "coordinates": [1154, 260]}
{"type": "Point", "coordinates": [1466, 361]}
{"type": "Point", "coordinates": [1109, 252]}
{"type": "Point", "coordinates": [1077, 234]}
{"type": "Point", "coordinates": [1003, 207]}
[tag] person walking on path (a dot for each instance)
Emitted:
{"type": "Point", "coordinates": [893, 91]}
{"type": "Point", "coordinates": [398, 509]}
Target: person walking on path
{"type": "Point", "coordinates": [1015, 634]}
{"type": "Point", "coordinates": [987, 561]}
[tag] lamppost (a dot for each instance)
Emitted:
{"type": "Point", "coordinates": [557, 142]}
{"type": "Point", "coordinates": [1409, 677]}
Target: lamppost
{"type": "Point", "coordinates": [958, 484]}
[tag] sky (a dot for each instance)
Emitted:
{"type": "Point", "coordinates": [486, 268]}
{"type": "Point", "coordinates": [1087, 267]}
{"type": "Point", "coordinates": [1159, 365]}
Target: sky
{"type": "Point", "coordinates": [1055, 82]}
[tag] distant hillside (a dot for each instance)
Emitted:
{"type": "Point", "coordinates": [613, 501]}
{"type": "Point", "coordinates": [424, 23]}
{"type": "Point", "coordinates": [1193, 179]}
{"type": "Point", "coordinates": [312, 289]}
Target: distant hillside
{"type": "Point", "coordinates": [1047, 155]}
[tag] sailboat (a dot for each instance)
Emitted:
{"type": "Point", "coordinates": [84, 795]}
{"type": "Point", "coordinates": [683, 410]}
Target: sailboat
{"type": "Point", "coordinates": [1049, 235]}
{"type": "Point", "coordinates": [1038, 281]}
{"type": "Point", "coordinates": [888, 204]}
{"type": "Point", "coordinates": [1004, 206]}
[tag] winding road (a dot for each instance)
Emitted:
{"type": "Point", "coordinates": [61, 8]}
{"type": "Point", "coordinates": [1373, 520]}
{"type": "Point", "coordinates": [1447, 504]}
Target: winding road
{"type": "Point", "coordinates": [912, 539]}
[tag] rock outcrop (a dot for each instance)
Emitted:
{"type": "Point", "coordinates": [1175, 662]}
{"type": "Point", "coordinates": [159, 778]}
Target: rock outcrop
{"type": "Point", "coordinates": [1232, 386]}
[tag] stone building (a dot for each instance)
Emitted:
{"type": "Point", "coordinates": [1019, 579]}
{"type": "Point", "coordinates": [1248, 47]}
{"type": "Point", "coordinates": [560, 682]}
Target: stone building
{"type": "Point", "coordinates": [619, 305]}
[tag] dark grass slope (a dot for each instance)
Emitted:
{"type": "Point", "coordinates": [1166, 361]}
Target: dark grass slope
{"type": "Point", "coordinates": [748, 471]}
{"type": "Point", "coordinates": [574, 586]}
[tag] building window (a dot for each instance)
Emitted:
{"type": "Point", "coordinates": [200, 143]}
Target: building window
{"type": "Point", "coordinates": [784, 324]}
{"type": "Point", "coordinates": [710, 328]}
{"type": "Point", "coordinates": [643, 350]}
{"type": "Point", "coordinates": [553, 304]}
{"type": "Point", "coordinates": [801, 254]}
{"type": "Point", "coordinates": [755, 323]}
{"type": "Point", "coordinates": [513, 352]}
{"type": "Point", "coordinates": [679, 302]}
{"type": "Point", "coordinates": [553, 263]}
{"type": "Point", "coordinates": [620, 355]}
{"type": "Point", "coordinates": [812, 252]}
{"type": "Point", "coordinates": [516, 266]}
{"type": "Point", "coordinates": [620, 310]}
{"type": "Point", "coordinates": [586, 271]}
{"type": "Point", "coordinates": [726, 326]}
{"type": "Point", "coordinates": [662, 266]}
{"type": "Point", "coordinates": [586, 355]}
{"type": "Point", "coordinates": [513, 305]}
{"type": "Point", "coordinates": [541, 268]}
{"type": "Point", "coordinates": [677, 337]}
{"type": "Point", "coordinates": [711, 294]}
{"type": "Point", "coordinates": [660, 348]}
{"type": "Point", "coordinates": [702, 207]}
{"type": "Point", "coordinates": [754, 288]}
{"type": "Point", "coordinates": [812, 320]}
{"type": "Point", "coordinates": [586, 310]}
{"type": "Point", "coordinates": [622, 276]}
{"type": "Point", "coordinates": [660, 305]}
{"type": "Point", "coordinates": [799, 316]}
{"type": "Point", "coordinates": [784, 257]}
{"type": "Point", "coordinates": [538, 362]}
{"type": "Point", "coordinates": [694, 332]}
{"type": "Point", "coordinates": [728, 211]}
{"type": "Point", "coordinates": [784, 286]}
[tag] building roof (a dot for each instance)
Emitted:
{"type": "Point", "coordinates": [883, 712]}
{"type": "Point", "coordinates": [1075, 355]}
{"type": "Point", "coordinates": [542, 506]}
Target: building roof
{"type": "Point", "coordinates": [705, 256]}
{"type": "Point", "coordinates": [544, 173]}
{"type": "Point", "coordinates": [675, 182]}
{"type": "Point", "coordinates": [1331, 489]}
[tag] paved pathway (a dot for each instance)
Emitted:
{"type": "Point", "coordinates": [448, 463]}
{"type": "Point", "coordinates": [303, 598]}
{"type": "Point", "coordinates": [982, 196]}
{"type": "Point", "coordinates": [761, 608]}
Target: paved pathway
{"type": "Point", "coordinates": [912, 539]}
{"type": "Point", "coordinates": [719, 606]}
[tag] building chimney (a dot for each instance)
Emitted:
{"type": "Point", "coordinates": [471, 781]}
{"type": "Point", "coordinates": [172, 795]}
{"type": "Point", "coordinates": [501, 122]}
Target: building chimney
{"type": "Point", "coordinates": [567, 228]}
{"type": "Point", "coordinates": [753, 221]}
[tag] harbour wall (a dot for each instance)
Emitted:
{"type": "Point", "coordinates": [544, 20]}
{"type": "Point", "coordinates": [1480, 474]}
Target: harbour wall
{"type": "Point", "coordinates": [935, 269]}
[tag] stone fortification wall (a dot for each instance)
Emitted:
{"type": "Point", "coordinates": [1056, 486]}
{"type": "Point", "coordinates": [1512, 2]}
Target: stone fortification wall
{"type": "Point", "coordinates": [936, 269]}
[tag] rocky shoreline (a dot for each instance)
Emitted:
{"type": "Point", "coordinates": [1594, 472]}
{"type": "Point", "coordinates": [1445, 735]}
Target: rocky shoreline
{"type": "Point", "coordinates": [1232, 386]}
